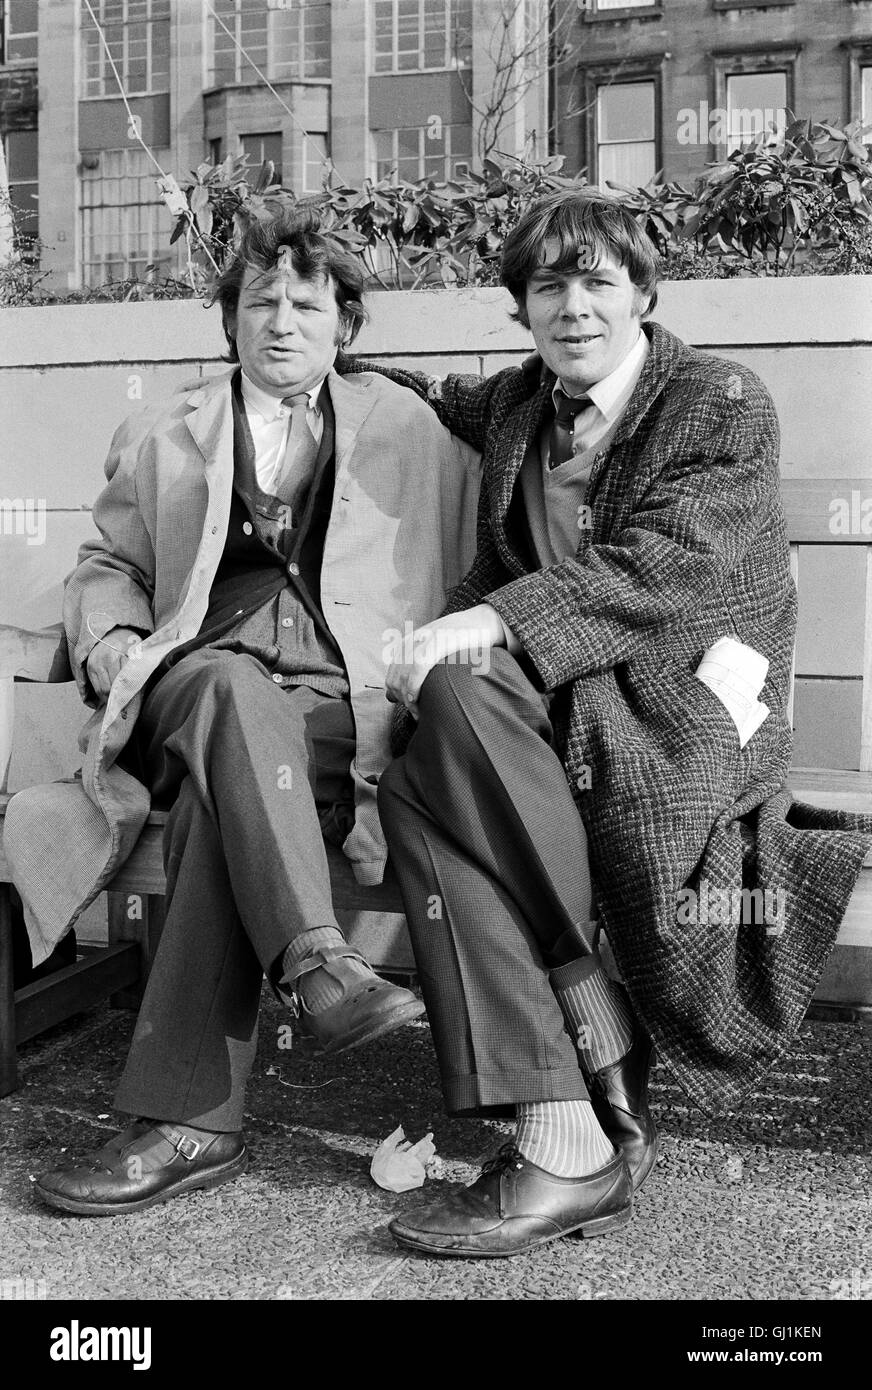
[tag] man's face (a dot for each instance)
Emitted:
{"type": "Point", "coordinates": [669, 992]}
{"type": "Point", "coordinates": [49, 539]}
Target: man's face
{"type": "Point", "coordinates": [584, 322]}
{"type": "Point", "coordinates": [286, 330]}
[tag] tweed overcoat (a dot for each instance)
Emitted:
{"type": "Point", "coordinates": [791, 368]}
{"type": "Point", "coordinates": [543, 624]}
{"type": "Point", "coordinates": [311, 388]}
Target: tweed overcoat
{"type": "Point", "coordinates": [686, 543]}
{"type": "Point", "coordinates": [401, 534]}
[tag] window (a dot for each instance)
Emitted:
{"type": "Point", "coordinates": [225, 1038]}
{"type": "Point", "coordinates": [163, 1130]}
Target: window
{"type": "Point", "coordinates": [755, 102]}
{"type": "Point", "coordinates": [425, 152]}
{"type": "Point", "coordinates": [125, 225]}
{"type": "Point", "coordinates": [314, 169]}
{"type": "Point", "coordinates": [617, 4]}
{"type": "Point", "coordinates": [753, 91]}
{"type": "Point", "coordinates": [301, 46]}
{"type": "Point", "coordinates": [138, 35]}
{"type": "Point", "coordinates": [411, 35]}
{"type": "Point", "coordinates": [287, 41]}
{"type": "Point", "coordinates": [626, 145]}
{"type": "Point", "coordinates": [216, 148]}
{"type": "Point", "coordinates": [18, 31]}
{"type": "Point", "coordinates": [22, 172]}
{"type": "Point", "coordinates": [866, 95]}
{"type": "Point", "coordinates": [259, 149]}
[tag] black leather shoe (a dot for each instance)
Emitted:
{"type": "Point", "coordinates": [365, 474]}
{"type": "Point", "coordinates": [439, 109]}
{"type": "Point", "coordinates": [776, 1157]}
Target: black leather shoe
{"type": "Point", "coordinates": [514, 1205]}
{"type": "Point", "coordinates": [114, 1181]}
{"type": "Point", "coordinates": [619, 1094]}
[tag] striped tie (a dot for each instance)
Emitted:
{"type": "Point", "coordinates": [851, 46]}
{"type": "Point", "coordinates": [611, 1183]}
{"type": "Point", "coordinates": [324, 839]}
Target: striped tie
{"type": "Point", "coordinates": [560, 444]}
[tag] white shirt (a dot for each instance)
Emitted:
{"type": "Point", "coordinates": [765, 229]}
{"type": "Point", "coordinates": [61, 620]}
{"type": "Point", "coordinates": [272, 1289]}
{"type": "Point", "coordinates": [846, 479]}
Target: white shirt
{"type": "Point", "coordinates": [610, 397]}
{"type": "Point", "coordinates": [270, 423]}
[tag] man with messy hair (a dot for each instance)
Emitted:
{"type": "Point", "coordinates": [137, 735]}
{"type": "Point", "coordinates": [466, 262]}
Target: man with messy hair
{"type": "Point", "coordinates": [602, 731]}
{"type": "Point", "coordinates": [258, 539]}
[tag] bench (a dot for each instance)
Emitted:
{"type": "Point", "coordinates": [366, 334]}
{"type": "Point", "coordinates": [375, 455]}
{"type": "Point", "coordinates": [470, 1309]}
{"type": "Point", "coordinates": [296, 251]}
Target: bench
{"type": "Point", "coordinates": [372, 918]}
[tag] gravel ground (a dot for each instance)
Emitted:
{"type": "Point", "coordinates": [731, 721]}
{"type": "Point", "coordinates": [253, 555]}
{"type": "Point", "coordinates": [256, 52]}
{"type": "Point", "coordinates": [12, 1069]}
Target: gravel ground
{"type": "Point", "coordinates": [772, 1203]}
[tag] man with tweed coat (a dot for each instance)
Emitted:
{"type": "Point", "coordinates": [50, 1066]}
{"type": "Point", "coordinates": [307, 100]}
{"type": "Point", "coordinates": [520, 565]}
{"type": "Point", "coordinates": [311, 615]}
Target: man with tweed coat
{"type": "Point", "coordinates": [570, 769]}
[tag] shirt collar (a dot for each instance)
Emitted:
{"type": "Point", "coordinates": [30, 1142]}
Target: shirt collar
{"type": "Point", "coordinates": [610, 396]}
{"type": "Point", "coordinates": [270, 407]}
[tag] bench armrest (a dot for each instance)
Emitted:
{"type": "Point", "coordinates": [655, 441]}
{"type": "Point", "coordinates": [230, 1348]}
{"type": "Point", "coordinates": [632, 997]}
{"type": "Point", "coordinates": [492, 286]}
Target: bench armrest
{"type": "Point", "coordinates": [34, 656]}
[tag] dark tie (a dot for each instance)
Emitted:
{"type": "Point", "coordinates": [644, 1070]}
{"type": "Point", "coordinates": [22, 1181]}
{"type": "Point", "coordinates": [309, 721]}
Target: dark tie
{"type": "Point", "coordinates": [560, 443]}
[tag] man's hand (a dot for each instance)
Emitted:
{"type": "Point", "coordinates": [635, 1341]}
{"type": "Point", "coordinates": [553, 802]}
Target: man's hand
{"type": "Point", "coordinates": [109, 655]}
{"type": "Point", "coordinates": [468, 636]}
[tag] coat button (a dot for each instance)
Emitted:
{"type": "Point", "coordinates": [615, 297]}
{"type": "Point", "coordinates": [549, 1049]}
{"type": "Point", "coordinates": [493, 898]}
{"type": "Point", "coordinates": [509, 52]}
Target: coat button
{"type": "Point", "coordinates": [214, 530]}
{"type": "Point", "coordinates": [287, 622]}
{"type": "Point", "coordinates": [293, 568]}
{"type": "Point", "coordinates": [277, 678]}
{"type": "Point", "coordinates": [247, 528]}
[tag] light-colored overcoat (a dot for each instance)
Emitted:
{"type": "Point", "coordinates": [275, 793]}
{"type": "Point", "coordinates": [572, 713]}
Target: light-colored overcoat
{"type": "Point", "coordinates": [401, 534]}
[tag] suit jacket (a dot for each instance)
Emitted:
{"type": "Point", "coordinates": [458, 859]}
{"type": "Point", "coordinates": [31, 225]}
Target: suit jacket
{"type": "Point", "coordinates": [400, 536]}
{"type": "Point", "coordinates": [688, 544]}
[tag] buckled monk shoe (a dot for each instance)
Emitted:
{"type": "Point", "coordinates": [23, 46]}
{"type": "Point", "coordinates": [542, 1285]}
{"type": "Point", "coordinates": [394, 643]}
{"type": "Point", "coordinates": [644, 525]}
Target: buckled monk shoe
{"type": "Point", "coordinates": [369, 1008]}
{"type": "Point", "coordinates": [514, 1206]}
{"type": "Point", "coordinates": [113, 1182]}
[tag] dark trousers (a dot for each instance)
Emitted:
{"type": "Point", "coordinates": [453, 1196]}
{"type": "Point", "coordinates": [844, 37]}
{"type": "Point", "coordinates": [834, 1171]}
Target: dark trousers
{"type": "Point", "coordinates": [253, 774]}
{"type": "Point", "coordinates": [491, 856]}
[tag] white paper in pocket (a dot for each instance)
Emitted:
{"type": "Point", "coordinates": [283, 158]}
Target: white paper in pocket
{"type": "Point", "coordinates": [735, 673]}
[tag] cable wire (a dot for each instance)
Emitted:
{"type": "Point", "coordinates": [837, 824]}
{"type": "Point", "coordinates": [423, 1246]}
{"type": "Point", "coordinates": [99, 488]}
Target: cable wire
{"type": "Point", "coordinates": [134, 126]}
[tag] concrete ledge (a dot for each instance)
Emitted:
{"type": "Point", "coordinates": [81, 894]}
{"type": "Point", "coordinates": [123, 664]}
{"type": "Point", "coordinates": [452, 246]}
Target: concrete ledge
{"type": "Point", "coordinates": [710, 313]}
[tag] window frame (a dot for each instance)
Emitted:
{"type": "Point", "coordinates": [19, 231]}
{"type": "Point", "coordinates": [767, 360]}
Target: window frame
{"type": "Point", "coordinates": [449, 156]}
{"type": "Point", "coordinates": [858, 54]}
{"type": "Point", "coordinates": [307, 163]}
{"type": "Point", "coordinates": [158, 235]}
{"type": "Point", "coordinates": [5, 59]}
{"type": "Point", "coordinates": [273, 14]}
{"type": "Point", "coordinates": [394, 70]}
{"type": "Point", "coordinates": [592, 76]}
{"type": "Point", "coordinates": [107, 77]}
{"type": "Point", "coordinates": [592, 14]}
{"type": "Point", "coordinates": [747, 62]}
{"type": "Point", "coordinates": [262, 135]}
{"type": "Point", "coordinates": [29, 252]}
{"type": "Point", "coordinates": [600, 144]}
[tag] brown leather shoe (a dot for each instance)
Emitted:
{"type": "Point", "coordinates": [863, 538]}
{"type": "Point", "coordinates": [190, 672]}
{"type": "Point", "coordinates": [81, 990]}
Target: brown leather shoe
{"type": "Point", "coordinates": [514, 1205]}
{"type": "Point", "coordinates": [619, 1094]}
{"type": "Point", "coordinates": [114, 1180]}
{"type": "Point", "coordinates": [369, 1008]}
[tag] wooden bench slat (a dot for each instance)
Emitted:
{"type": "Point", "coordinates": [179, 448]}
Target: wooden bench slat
{"type": "Point", "coordinates": [807, 507]}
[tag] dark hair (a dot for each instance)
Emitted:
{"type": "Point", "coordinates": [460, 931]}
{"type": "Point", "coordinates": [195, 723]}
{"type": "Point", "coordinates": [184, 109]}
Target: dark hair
{"type": "Point", "coordinates": [580, 220]}
{"type": "Point", "coordinates": [314, 255]}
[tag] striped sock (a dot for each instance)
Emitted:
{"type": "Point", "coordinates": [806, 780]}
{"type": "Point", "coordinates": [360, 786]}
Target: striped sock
{"type": "Point", "coordinates": [598, 1015]}
{"type": "Point", "coordinates": [563, 1137]}
{"type": "Point", "coordinates": [317, 988]}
